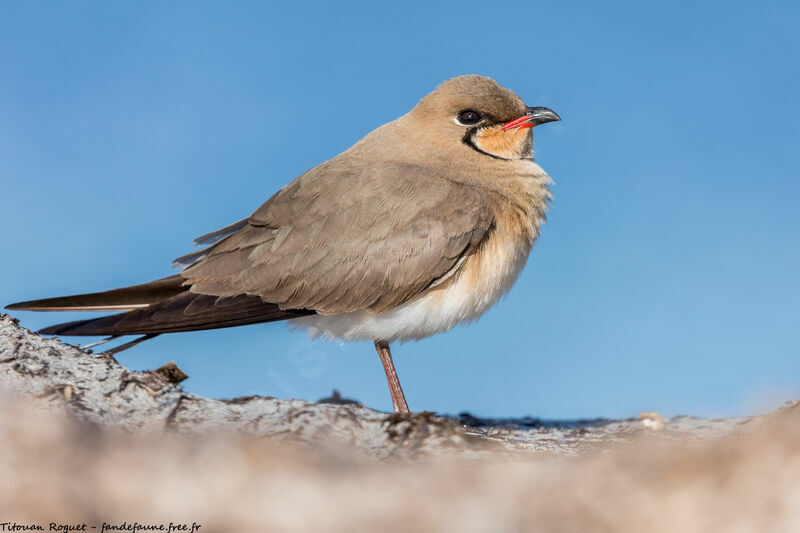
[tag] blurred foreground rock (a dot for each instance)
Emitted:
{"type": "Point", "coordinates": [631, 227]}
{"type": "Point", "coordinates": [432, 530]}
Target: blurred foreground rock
{"type": "Point", "coordinates": [135, 448]}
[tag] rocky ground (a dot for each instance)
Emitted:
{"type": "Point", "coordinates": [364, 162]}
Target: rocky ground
{"type": "Point", "coordinates": [87, 440]}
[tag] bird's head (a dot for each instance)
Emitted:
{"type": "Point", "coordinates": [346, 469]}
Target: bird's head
{"type": "Point", "coordinates": [480, 114]}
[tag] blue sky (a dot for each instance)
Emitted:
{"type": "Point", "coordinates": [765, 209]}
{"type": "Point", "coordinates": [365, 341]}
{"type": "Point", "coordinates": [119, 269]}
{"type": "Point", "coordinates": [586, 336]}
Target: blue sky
{"type": "Point", "coordinates": [666, 279]}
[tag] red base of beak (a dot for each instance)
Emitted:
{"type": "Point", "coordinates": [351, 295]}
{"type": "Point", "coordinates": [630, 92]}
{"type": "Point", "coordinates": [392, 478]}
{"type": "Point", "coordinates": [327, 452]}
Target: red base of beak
{"type": "Point", "coordinates": [525, 121]}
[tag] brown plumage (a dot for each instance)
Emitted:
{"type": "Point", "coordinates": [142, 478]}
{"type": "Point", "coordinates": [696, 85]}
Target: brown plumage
{"type": "Point", "coordinates": [420, 225]}
{"type": "Point", "coordinates": [369, 249]}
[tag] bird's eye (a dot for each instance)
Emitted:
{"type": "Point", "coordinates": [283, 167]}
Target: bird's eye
{"type": "Point", "coordinates": [469, 117]}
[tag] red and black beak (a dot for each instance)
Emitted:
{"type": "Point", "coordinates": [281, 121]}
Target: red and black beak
{"type": "Point", "coordinates": [533, 117]}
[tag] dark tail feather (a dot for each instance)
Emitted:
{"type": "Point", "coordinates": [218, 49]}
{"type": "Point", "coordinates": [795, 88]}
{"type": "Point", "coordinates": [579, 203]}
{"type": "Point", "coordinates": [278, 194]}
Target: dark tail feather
{"type": "Point", "coordinates": [184, 312]}
{"type": "Point", "coordinates": [127, 298]}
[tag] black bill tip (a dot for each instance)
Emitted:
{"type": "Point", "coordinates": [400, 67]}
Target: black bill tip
{"type": "Point", "coordinates": [541, 115]}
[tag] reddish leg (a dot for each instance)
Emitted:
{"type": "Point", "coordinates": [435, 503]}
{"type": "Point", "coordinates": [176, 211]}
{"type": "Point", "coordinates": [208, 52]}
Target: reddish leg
{"type": "Point", "coordinates": [398, 398]}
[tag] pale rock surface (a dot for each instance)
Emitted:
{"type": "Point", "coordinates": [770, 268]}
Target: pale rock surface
{"type": "Point", "coordinates": [97, 389]}
{"type": "Point", "coordinates": [84, 441]}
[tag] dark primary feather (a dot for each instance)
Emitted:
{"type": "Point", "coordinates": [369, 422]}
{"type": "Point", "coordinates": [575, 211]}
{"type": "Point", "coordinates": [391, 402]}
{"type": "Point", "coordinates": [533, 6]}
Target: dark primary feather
{"type": "Point", "coordinates": [161, 306]}
{"type": "Point", "coordinates": [114, 300]}
{"type": "Point", "coordinates": [184, 312]}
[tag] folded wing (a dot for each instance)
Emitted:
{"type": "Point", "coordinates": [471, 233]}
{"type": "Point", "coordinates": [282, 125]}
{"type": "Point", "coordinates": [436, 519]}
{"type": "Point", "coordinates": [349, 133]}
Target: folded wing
{"type": "Point", "coordinates": [347, 237]}
{"type": "Point", "coordinates": [340, 238]}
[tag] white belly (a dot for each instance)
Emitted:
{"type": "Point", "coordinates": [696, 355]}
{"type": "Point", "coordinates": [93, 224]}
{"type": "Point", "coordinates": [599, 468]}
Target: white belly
{"type": "Point", "coordinates": [484, 277]}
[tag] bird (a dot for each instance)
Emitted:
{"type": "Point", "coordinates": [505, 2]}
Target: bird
{"type": "Point", "coordinates": [421, 225]}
